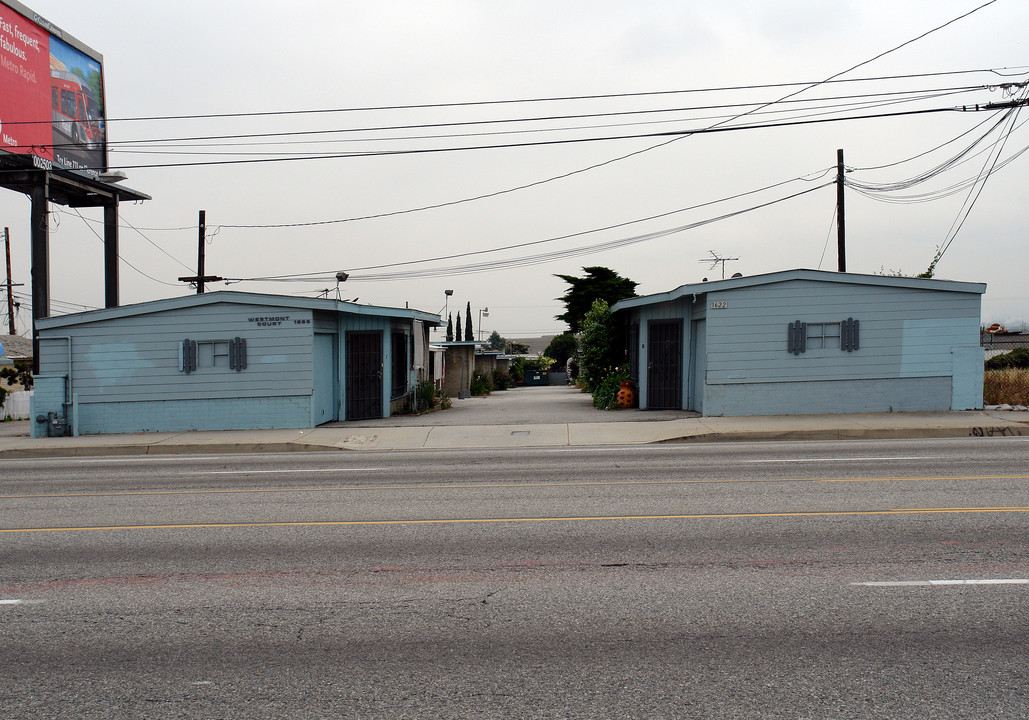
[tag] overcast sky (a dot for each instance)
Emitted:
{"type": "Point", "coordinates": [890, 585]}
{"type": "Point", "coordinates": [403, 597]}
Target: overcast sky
{"type": "Point", "coordinates": [215, 57]}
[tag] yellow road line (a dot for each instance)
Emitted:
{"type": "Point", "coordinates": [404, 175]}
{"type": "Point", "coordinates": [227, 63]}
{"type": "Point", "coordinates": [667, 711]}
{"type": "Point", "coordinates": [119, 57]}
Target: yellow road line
{"type": "Point", "coordinates": [466, 521]}
{"type": "Point", "coordinates": [486, 486]}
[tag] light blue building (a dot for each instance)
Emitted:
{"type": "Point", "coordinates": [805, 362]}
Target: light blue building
{"type": "Point", "coordinates": [227, 360]}
{"type": "Point", "coordinates": [807, 341]}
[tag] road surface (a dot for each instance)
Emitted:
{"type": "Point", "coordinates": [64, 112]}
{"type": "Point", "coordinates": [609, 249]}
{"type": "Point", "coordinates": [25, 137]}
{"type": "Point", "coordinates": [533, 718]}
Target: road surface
{"type": "Point", "coordinates": [881, 579]}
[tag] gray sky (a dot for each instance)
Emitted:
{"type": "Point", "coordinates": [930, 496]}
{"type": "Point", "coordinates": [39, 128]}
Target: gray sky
{"type": "Point", "coordinates": [190, 58]}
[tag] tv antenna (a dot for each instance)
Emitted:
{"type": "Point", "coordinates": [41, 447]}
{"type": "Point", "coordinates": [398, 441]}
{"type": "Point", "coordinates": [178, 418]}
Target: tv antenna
{"type": "Point", "coordinates": [716, 260]}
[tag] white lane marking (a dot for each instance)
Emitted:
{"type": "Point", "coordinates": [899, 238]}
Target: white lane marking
{"type": "Point", "coordinates": [906, 583]}
{"type": "Point", "coordinates": [19, 601]}
{"type": "Point", "coordinates": [11, 602]}
{"type": "Point", "coordinates": [846, 459]}
{"type": "Point", "coordinates": [287, 471]}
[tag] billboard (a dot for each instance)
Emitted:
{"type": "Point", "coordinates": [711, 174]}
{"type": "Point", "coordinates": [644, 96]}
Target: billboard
{"type": "Point", "coordinates": [51, 94]}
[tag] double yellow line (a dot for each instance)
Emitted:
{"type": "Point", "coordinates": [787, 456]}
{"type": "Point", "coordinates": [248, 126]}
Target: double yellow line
{"type": "Point", "coordinates": [472, 521]}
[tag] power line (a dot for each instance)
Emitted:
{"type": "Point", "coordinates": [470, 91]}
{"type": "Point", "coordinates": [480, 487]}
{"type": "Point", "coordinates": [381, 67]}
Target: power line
{"type": "Point", "coordinates": [998, 72]}
{"type": "Point", "coordinates": [970, 201]}
{"type": "Point", "coordinates": [673, 136]}
{"type": "Point", "coordinates": [151, 277]}
{"type": "Point", "coordinates": [927, 93]}
{"type": "Point", "coordinates": [539, 258]}
{"type": "Point", "coordinates": [811, 177]}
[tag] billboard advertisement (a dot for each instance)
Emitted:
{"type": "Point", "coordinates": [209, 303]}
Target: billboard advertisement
{"type": "Point", "coordinates": [51, 94]}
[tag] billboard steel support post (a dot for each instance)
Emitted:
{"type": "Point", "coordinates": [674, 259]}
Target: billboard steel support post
{"type": "Point", "coordinates": [40, 196]}
{"type": "Point", "coordinates": [111, 254]}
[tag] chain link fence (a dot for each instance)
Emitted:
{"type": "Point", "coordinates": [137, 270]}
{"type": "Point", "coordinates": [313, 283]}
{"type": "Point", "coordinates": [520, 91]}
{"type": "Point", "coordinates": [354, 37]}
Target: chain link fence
{"type": "Point", "coordinates": [1006, 378]}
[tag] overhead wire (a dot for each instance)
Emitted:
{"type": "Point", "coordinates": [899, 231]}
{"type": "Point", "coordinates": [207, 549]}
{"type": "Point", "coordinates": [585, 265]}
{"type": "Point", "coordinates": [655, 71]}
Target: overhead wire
{"type": "Point", "coordinates": [539, 258]}
{"type": "Point", "coordinates": [975, 193]}
{"type": "Point", "coordinates": [675, 135]}
{"type": "Point", "coordinates": [886, 192]}
{"type": "Point", "coordinates": [235, 137]}
{"type": "Point", "coordinates": [187, 150]}
{"type": "Point", "coordinates": [810, 177]}
{"type": "Point", "coordinates": [998, 72]}
{"type": "Point", "coordinates": [151, 277]}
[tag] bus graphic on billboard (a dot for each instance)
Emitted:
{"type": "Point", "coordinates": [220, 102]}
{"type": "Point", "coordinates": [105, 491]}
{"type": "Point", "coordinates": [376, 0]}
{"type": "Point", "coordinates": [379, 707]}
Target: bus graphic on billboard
{"type": "Point", "coordinates": [51, 93]}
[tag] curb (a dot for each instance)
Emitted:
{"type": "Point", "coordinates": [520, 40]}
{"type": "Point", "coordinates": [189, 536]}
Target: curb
{"type": "Point", "coordinates": [140, 450]}
{"type": "Point", "coordinates": [837, 434]}
{"type": "Point", "coordinates": [707, 437]}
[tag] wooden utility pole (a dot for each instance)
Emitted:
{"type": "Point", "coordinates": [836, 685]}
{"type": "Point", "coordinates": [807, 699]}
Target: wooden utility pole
{"type": "Point", "coordinates": [10, 285]}
{"type": "Point", "coordinates": [202, 226]}
{"type": "Point", "coordinates": [841, 226]}
{"type": "Point", "coordinates": [200, 278]}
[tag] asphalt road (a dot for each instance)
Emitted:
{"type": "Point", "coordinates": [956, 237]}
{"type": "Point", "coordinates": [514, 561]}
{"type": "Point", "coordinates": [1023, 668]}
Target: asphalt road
{"type": "Point", "coordinates": [802, 580]}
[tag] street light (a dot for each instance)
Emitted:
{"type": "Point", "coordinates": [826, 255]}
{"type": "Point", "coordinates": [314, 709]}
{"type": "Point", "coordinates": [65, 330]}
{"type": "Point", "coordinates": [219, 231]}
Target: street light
{"type": "Point", "coordinates": [446, 305]}
{"type": "Point", "coordinates": [341, 277]}
{"type": "Point", "coordinates": [483, 311]}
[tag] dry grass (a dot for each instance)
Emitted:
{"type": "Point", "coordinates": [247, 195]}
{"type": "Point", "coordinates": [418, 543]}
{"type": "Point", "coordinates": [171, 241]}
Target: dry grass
{"type": "Point", "coordinates": [1009, 386]}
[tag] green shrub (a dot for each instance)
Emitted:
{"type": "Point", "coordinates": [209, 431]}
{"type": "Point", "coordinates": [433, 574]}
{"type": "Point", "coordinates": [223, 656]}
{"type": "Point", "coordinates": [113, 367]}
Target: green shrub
{"type": "Point", "coordinates": [426, 395]}
{"type": "Point", "coordinates": [20, 374]}
{"type": "Point", "coordinates": [482, 383]}
{"type": "Point", "coordinates": [605, 397]}
{"type": "Point", "coordinates": [1017, 358]}
{"type": "Point", "coordinates": [600, 351]}
{"type": "Point", "coordinates": [517, 370]}
{"type": "Point", "coordinates": [501, 380]}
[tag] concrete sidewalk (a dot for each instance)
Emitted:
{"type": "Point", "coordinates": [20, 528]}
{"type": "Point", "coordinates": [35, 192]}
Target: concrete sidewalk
{"type": "Point", "coordinates": [544, 417]}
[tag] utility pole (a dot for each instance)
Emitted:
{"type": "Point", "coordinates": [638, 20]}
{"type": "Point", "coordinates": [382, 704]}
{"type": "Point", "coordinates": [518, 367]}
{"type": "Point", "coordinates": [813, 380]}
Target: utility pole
{"type": "Point", "coordinates": [202, 225]}
{"type": "Point", "coordinates": [10, 286]}
{"type": "Point", "coordinates": [200, 278]}
{"type": "Point", "coordinates": [841, 226]}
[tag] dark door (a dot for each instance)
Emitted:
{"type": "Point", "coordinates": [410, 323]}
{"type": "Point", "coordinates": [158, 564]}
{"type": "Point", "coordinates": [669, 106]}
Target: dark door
{"type": "Point", "coordinates": [664, 365]}
{"type": "Point", "coordinates": [364, 375]}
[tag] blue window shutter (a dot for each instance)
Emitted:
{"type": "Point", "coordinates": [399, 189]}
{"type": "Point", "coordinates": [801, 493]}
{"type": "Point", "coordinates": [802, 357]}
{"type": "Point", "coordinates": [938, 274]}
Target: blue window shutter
{"type": "Point", "coordinates": [796, 337]}
{"type": "Point", "coordinates": [849, 335]}
{"type": "Point", "coordinates": [189, 356]}
{"type": "Point", "coordinates": [237, 354]}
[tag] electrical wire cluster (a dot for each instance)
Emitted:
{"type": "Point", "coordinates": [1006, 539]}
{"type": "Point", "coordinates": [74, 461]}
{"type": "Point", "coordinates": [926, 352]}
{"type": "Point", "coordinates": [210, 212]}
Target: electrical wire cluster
{"type": "Point", "coordinates": [622, 119]}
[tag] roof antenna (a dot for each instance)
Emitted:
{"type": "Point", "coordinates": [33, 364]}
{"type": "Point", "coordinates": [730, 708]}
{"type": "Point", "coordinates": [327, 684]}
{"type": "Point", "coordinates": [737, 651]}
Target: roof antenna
{"type": "Point", "coordinates": [715, 260]}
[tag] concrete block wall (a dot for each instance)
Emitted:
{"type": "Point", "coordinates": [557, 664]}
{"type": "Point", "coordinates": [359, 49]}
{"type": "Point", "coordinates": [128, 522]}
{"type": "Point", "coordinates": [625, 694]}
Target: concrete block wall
{"type": "Point", "coordinates": [460, 366]}
{"type": "Point", "coordinates": [290, 411]}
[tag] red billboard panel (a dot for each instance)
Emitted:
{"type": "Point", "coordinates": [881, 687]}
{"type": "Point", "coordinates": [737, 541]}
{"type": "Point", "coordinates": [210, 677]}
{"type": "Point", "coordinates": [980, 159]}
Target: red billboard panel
{"type": "Point", "coordinates": [51, 93]}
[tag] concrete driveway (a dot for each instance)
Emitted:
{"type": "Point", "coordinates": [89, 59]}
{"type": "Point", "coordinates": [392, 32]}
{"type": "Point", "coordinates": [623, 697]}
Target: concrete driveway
{"type": "Point", "coordinates": [549, 404]}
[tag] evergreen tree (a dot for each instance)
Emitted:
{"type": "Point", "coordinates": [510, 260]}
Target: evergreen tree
{"type": "Point", "coordinates": [469, 333]}
{"type": "Point", "coordinates": [496, 342]}
{"type": "Point", "coordinates": [457, 332]}
{"type": "Point", "coordinates": [450, 327]}
{"type": "Point", "coordinates": [599, 283]}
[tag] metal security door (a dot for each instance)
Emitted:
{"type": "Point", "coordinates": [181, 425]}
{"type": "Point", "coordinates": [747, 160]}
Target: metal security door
{"type": "Point", "coordinates": [364, 375]}
{"type": "Point", "coordinates": [664, 365]}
